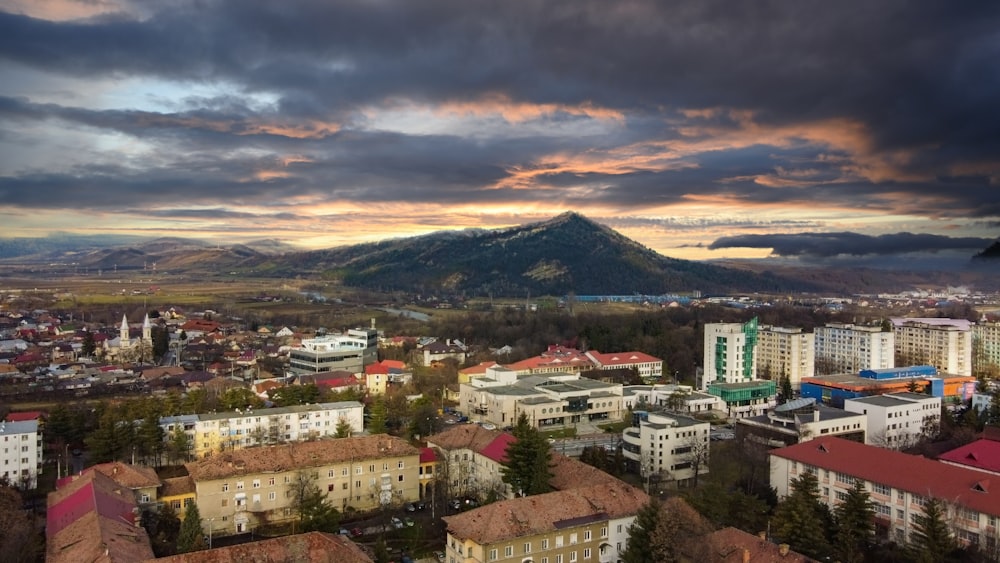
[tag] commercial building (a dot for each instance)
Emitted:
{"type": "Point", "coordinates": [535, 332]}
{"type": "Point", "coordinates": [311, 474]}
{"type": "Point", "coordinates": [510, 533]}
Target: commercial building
{"type": "Point", "coordinates": [835, 389]}
{"type": "Point", "coordinates": [648, 367]}
{"type": "Point", "coordinates": [785, 353]}
{"type": "Point", "coordinates": [577, 525]}
{"type": "Point", "coordinates": [215, 432]}
{"type": "Point", "coordinates": [21, 453]}
{"type": "Point", "coordinates": [897, 420]}
{"type": "Point", "coordinates": [555, 399]}
{"type": "Point", "coordinates": [677, 398]}
{"type": "Point", "coordinates": [237, 491]}
{"type": "Point", "coordinates": [729, 353]}
{"type": "Point", "coordinates": [801, 420]}
{"type": "Point", "coordinates": [348, 352]}
{"type": "Point", "coordinates": [746, 398]}
{"type": "Point", "coordinates": [847, 348]}
{"type": "Point", "coordinates": [899, 485]}
{"type": "Point", "coordinates": [945, 344]}
{"type": "Point", "coordinates": [667, 445]}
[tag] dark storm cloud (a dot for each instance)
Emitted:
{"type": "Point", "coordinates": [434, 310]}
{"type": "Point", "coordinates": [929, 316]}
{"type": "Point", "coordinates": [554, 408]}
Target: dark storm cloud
{"type": "Point", "coordinates": [849, 244]}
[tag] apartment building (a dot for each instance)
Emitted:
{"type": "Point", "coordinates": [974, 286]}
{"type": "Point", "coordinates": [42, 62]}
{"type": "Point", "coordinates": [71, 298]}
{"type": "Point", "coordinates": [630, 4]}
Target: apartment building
{"type": "Point", "coordinates": [21, 453]}
{"type": "Point", "coordinates": [943, 343]}
{"type": "Point", "coordinates": [844, 348]}
{"type": "Point", "coordinates": [237, 491]}
{"type": "Point", "coordinates": [471, 460]}
{"type": "Point", "coordinates": [730, 353]}
{"type": "Point", "coordinates": [339, 352]}
{"type": "Point", "coordinates": [785, 353]}
{"type": "Point", "coordinates": [554, 399]}
{"type": "Point", "coordinates": [897, 420]}
{"type": "Point", "coordinates": [215, 432]}
{"type": "Point", "coordinates": [986, 348]}
{"type": "Point", "coordinates": [585, 525]}
{"type": "Point", "coordinates": [899, 485]}
{"type": "Point", "coordinates": [669, 445]}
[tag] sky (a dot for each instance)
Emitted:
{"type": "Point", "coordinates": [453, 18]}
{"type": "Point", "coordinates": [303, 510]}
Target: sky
{"type": "Point", "coordinates": [705, 129]}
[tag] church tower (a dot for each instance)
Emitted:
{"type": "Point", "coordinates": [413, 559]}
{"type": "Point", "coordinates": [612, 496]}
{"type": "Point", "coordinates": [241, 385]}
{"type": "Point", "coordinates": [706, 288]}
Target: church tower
{"type": "Point", "coordinates": [147, 330]}
{"type": "Point", "coordinates": [123, 338]}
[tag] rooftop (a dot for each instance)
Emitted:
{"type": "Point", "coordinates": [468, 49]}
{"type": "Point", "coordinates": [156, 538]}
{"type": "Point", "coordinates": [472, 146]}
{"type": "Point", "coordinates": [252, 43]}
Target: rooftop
{"type": "Point", "coordinates": [463, 436]}
{"type": "Point", "coordinates": [983, 455]}
{"type": "Point", "coordinates": [733, 545]}
{"type": "Point", "coordinates": [315, 547]}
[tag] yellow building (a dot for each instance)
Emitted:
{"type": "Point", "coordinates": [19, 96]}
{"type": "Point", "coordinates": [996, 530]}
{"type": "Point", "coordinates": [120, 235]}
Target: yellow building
{"type": "Point", "coordinates": [240, 490]}
{"type": "Point", "coordinates": [178, 492]}
{"type": "Point", "coordinates": [585, 525]}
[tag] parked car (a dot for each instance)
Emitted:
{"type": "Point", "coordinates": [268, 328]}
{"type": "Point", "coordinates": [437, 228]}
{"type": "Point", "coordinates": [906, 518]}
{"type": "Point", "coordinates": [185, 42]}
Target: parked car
{"type": "Point", "coordinates": [357, 532]}
{"type": "Point", "coordinates": [409, 522]}
{"type": "Point", "coordinates": [396, 523]}
{"type": "Point", "coordinates": [415, 506]}
{"type": "Point", "coordinates": [345, 532]}
{"type": "Point", "coordinates": [455, 504]}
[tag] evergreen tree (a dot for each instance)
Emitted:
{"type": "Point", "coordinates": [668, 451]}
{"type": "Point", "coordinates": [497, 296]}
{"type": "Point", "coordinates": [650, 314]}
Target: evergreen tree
{"type": "Point", "coordinates": [179, 447]}
{"type": "Point", "coordinates": [239, 398]}
{"type": "Point", "coordinates": [855, 524]}
{"type": "Point", "coordinates": [931, 540]}
{"type": "Point", "coordinates": [376, 424]}
{"type": "Point", "coordinates": [801, 520]}
{"type": "Point", "coordinates": [640, 534]}
{"type": "Point", "coordinates": [89, 346]}
{"type": "Point", "coordinates": [161, 341]}
{"type": "Point", "coordinates": [111, 438]}
{"type": "Point", "coordinates": [191, 537]}
{"type": "Point", "coordinates": [151, 436]}
{"type": "Point", "coordinates": [315, 513]}
{"type": "Point", "coordinates": [528, 459]}
{"type": "Point", "coordinates": [343, 429]}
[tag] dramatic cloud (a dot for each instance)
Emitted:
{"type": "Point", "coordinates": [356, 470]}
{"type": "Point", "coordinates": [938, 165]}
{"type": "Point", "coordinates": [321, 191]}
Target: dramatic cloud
{"type": "Point", "coordinates": [679, 122]}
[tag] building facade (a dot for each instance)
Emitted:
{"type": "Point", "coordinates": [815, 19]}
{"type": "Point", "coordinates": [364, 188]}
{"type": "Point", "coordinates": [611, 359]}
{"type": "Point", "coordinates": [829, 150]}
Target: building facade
{"type": "Point", "coordinates": [648, 367]}
{"type": "Point", "coordinates": [211, 433]}
{"type": "Point", "coordinates": [21, 450]}
{"type": "Point", "coordinates": [785, 353]}
{"type": "Point", "coordinates": [844, 348]}
{"type": "Point", "coordinates": [348, 352]}
{"type": "Point", "coordinates": [801, 420]}
{"type": "Point", "coordinates": [945, 344]}
{"type": "Point", "coordinates": [237, 491]}
{"type": "Point", "coordinates": [669, 445]}
{"type": "Point", "coordinates": [730, 353]}
{"type": "Point", "coordinates": [898, 420]}
{"type": "Point", "coordinates": [899, 485]}
{"type": "Point", "coordinates": [986, 348]}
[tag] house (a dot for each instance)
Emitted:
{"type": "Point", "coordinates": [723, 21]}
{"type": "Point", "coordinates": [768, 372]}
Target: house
{"type": "Point", "coordinates": [141, 480]}
{"type": "Point", "coordinates": [437, 351]}
{"type": "Point", "coordinates": [240, 490]}
{"type": "Point", "coordinates": [583, 524]}
{"type": "Point", "coordinates": [178, 492]}
{"type": "Point", "coordinates": [899, 485]}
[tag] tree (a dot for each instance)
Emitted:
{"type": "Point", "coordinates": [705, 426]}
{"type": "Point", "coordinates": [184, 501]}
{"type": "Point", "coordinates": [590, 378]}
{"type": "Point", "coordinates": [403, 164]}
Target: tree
{"type": "Point", "coordinates": [343, 429]}
{"type": "Point", "coordinates": [424, 419]}
{"type": "Point", "coordinates": [697, 455]}
{"type": "Point", "coordinates": [801, 520]}
{"type": "Point", "coordinates": [151, 436]}
{"type": "Point", "coordinates": [315, 513]}
{"type": "Point", "coordinates": [377, 422]}
{"type": "Point", "coordinates": [854, 520]}
{"type": "Point", "coordinates": [528, 459]}
{"type": "Point", "coordinates": [161, 341]}
{"type": "Point", "coordinates": [179, 447]}
{"type": "Point", "coordinates": [191, 537]}
{"type": "Point", "coordinates": [786, 389]}
{"type": "Point", "coordinates": [678, 533]}
{"type": "Point", "coordinates": [931, 540]}
{"type": "Point", "coordinates": [640, 541]}
{"type": "Point", "coordinates": [239, 398]}
{"type": "Point", "coordinates": [89, 346]}
{"type": "Point", "coordinates": [163, 527]}
{"type": "Point", "coordinates": [19, 540]}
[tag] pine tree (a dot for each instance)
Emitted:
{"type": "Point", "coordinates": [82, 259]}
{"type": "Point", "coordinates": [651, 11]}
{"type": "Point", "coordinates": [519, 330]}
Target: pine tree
{"type": "Point", "coordinates": [855, 524]}
{"type": "Point", "coordinates": [191, 537]}
{"type": "Point", "coordinates": [376, 424]}
{"type": "Point", "coordinates": [640, 541]}
{"type": "Point", "coordinates": [801, 520]}
{"type": "Point", "coordinates": [343, 429]}
{"type": "Point", "coordinates": [931, 540]}
{"type": "Point", "coordinates": [528, 459]}
{"type": "Point", "coordinates": [151, 436]}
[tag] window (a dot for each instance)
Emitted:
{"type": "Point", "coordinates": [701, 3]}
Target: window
{"type": "Point", "coordinates": [527, 547]}
{"type": "Point", "coordinates": [586, 553]}
{"type": "Point", "coordinates": [330, 473]}
{"type": "Point", "coordinates": [399, 465]}
{"type": "Point", "coordinates": [559, 541]}
{"type": "Point", "coordinates": [270, 495]}
{"type": "Point", "coordinates": [572, 557]}
{"type": "Point", "coordinates": [559, 558]}
{"type": "Point", "coordinates": [256, 483]}
{"type": "Point", "coordinates": [400, 479]}
{"type": "Point", "coordinates": [225, 487]}
{"type": "Point", "coordinates": [175, 504]}
{"type": "Point", "coordinates": [604, 532]}
{"type": "Point", "coordinates": [966, 514]}
{"type": "Point", "coordinates": [545, 543]}
{"type": "Point", "coordinates": [841, 496]}
{"type": "Point", "coordinates": [883, 510]}
{"type": "Point", "coordinates": [586, 535]}
{"type": "Point", "coordinates": [239, 485]}
{"type": "Point", "coordinates": [493, 555]}
{"type": "Point", "coordinates": [845, 478]}
{"type": "Point", "coordinates": [508, 551]}
{"type": "Point", "coordinates": [271, 481]}
{"type": "Point", "coordinates": [371, 468]}
{"type": "Point", "coordinates": [385, 467]}
{"type": "Point", "coordinates": [572, 539]}
{"type": "Point", "coordinates": [880, 489]}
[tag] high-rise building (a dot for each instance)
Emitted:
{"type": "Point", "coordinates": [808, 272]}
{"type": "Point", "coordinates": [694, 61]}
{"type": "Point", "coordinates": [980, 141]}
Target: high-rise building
{"type": "Point", "coordinates": [730, 353]}
{"type": "Point", "coordinates": [986, 348]}
{"type": "Point", "coordinates": [943, 343]}
{"type": "Point", "coordinates": [848, 348]}
{"type": "Point", "coordinates": [785, 353]}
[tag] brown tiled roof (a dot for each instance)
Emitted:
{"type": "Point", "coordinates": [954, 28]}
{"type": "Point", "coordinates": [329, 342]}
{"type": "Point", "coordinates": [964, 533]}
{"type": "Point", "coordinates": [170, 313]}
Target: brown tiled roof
{"type": "Point", "coordinates": [569, 473]}
{"type": "Point", "coordinates": [99, 539]}
{"type": "Point", "coordinates": [315, 547]}
{"type": "Point", "coordinates": [538, 514]}
{"type": "Point", "coordinates": [730, 545]}
{"type": "Point", "coordinates": [131, 476]}
{"type": "Point", "coordinates": [288, 457]}
{"type": "Point", "coordinates": [176, 486]}
{"type": "Point", "coordinates": [464, 436]}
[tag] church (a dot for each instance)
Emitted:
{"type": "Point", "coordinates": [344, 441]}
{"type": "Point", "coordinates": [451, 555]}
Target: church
{"type": "Point", "coordinates": [124, 348]}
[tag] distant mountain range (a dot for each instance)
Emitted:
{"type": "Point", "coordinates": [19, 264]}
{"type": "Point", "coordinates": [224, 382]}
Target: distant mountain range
{"type": "Point", "coordinates": [568, 253]}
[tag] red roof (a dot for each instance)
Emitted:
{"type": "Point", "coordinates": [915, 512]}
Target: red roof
{"type": "Point", "coordinates": [376, 369]}
{"type": "Point", "coordinates": [393, 364]}
{"type": "Point", "coordinates": [24, 416]}
{"type": "Point", "coordinates": [428, 455]}
{"type": "Point", "coordinates": [497, 449]}
{"type": "Point", "coordinates": [623, 358]}
{"type": "Point", "coordinates": [921, 476]}
{"type": "Point", "coordinates": [981, 454]}
{"type": "Point", "coordinates": [479, 368]}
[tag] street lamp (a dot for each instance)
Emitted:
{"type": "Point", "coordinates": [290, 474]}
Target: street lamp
{"type": "Point", "coordinates": [210, 520]}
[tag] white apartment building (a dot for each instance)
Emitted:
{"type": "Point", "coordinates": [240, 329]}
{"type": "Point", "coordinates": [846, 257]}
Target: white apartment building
{"type": "Point", "coordinates": [214, 432]}
{"type": "Point", "coordinates": [943, 343]}
{"type": "Point", "coordinates": [340, 352]}
{"type": "Point", "coordinates": [849, 348]}
{"type": "Point", "coordinates": [729, 353]}
{"type": "Point", "coordinates": [21, 450]}
{"type": "Point", "coordinates": [897, 420]}
{"type": "Point", "coordinates": [668, 445]}
{"type": "Point", "coordinates": [548, 400]}
{"type": "Point", "coordinates": [899, 485]}
{"type": "Point", "coordinates": [981, 401]}
{"type": "Point", "coordinates": [786, 353]}
{"type": "Point", "coordinates": [986, 347]}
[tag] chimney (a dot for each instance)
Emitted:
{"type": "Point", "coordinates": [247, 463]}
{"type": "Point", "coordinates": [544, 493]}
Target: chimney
{"type": "Point", "coordinates": [783, 549]}
{"type": "Point", "coordinates": [815, 415]}
{"type": "Point", "coordinates": [746, 555]}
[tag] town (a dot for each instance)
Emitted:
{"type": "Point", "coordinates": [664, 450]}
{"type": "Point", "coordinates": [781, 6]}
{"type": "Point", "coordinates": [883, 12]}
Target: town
{"type": "Point", "coordinates": [870, 431]}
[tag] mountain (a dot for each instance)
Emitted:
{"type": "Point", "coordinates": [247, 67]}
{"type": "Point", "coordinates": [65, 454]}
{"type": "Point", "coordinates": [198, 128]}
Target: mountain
{"type": "Point", "coordinates": [568, 253]}
{"type": "Point", "coordinates": [990, 254]}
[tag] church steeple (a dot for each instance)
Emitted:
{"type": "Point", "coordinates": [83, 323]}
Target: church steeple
{"type": "Point", "coordinates": [147, 329]}
{"type": "Point", "coordinates": [123, 332]}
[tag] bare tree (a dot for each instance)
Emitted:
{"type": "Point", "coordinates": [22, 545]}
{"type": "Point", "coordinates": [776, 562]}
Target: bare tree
{"type": "Point", "coordinates": [697, 455]}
